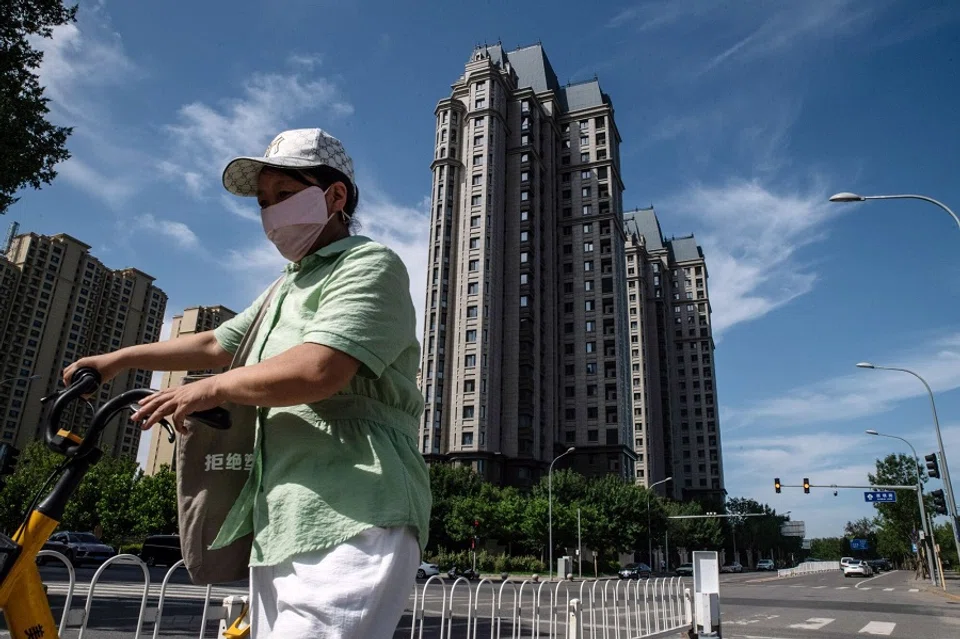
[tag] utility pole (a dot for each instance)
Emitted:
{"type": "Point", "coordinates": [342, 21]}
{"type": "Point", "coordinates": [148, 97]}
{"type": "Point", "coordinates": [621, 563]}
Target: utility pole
{"type": "Point", "coordinates": [579, 549]}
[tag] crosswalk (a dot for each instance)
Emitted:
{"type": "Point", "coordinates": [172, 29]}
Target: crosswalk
{"type": "Point", "coordinates": [120, 590]}
{"type": "Point", "coordinates": [845, 627]}
{"type": "Point", "coordinates": [822, 587]}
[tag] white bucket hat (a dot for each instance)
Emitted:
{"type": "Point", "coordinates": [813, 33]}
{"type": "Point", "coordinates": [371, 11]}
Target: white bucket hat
{"type": "Point", "coordinates": [295, 149]}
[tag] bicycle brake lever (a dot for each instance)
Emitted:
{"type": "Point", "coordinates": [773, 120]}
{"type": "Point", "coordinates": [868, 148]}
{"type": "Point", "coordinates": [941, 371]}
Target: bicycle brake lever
{"type": "Point", "coordinates": [171, 435]}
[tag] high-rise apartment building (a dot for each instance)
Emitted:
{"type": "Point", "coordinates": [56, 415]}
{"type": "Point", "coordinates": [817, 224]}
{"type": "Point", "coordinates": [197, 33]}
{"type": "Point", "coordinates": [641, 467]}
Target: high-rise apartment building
{"type": "Point", "coordinates": [193, 320]}
{"type": "Point", "coordinates": [59, 303]}
{"type": "Point", "coordinates": [675, 408]}
{"type": "Point", "coordinates": [552, 320]}
{"type": "Point", "coordinates": [526, 345]}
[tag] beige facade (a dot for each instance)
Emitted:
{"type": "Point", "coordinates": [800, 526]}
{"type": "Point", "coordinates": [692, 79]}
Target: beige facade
{"type": "Point", "coordinates": [675, 407]}
{"type": "Point", "coordinates": [59, 303]}
{"type": "Point", "coordinates": [525, 339]}
{"type": "Point", "coordinates": [193, 320]}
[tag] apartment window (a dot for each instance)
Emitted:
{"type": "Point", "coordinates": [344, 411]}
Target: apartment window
{"type": "Point", "coordinates": [570, 413]}
{"type": "Point", "coordinates": [524, 236]}
{"type": "Point", "coordinates": [588, 247]}
{"type": "Point", "coordinates": [591, 326]}
{"type": "Point", "coordinates": [568, 307]}
{"type": "Point", "coordinates": [481, 103]}
{"type": "Point", "coordinates": [525, 139]}
{"type": "Point", "coordinates": [469, 385]}
{"type": "Point", "coordinates": [568, 349]}
{"type": "Point", "coordinates": [567, 249]}
{"type": "Point", "coordinates": [474, 242]}
{"type": "Point", "coordinates": [585, 157]}
{"type": "Point", "coordinates": [466, 439]}
{"type": "Point", "coordinates": [588, 228]}
{"type": "Point", "coordinates": [567, 211]}
{"type": "Point", "coordinates": [473, 288]}
{"type": "Point", "coordinates": [591, 368]}
{"type": "Point", "coordinates": [588, 285]}
{"type": "Point", "coordinates": [525, 106]}
{"type": "Point", "coordinates": [589, 305]}
{"type": "Point", "coordinates": [568, 328]}
{"type": "Point", "coordinates": [524, 215]}
{"type": "Point", "coordinates": [584, 125]}
{"type": "Point", "coordinates": [468, 412]}
{"type": "Point", "coordinates": [591, 347]}
{"type": "Point", "coordinates": [477, 140]}
{"type": "Point", "coordinates": [565, 194]}
{"type": "Point", "coordinates": [524, 301]}
{"type": "Point", "coordinates": [585, 191]}
{"type": "Point", "coordinates": [524, 278]}
{"type": "Point", "coordinates": [524, 157]}
{"type": "Point", "coordinates": [472, 335]}
{"type": "Point", "coordinates": [593, 435]}
{"type": "Point", "coordinates": [473, 265]}
{"type": "Point", "coordinates": [478, 160]}
{"type": "Point", "coordinates": [588, 265]}
{"type": "Point", "coordinates": [602, 173]}
{"type": "Point", "coordinates": [524, 176]}
{"type": "Point", "coordinates": [524, 195]}
{"type": "Point", "coordinates": [475, 201]}
{"type": "Point", "coordinates": [470, 361]}
{"type": "Point", "coordinates": [587, 209]}
{"type": "Point", "coordinates": [586, 174]}
{"type": "Point", "coordinates": [471, 311]}
{"type": "Point", "coordinates": [524, 256]}
{"type": "Point", "coordinates": [584, 140]}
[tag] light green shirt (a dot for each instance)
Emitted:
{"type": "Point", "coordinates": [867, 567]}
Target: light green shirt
{"type": "Point", "coordinates": [327, 471]}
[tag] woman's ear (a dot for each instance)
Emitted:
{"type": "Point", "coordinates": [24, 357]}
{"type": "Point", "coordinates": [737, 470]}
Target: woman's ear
{"type": "Point", "coordinates": [337, 197]}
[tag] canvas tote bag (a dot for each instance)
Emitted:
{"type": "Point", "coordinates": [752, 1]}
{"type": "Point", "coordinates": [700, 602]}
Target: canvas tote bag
{"type": "Point", "coordinates": [212, 468]}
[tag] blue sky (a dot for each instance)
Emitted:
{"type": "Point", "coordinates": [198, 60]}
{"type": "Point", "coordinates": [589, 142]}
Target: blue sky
{"type": "Point", "coordinates": [738, 120]}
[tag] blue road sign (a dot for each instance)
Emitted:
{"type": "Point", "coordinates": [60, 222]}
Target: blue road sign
{"type": "Point", "coordinates": [858, 544]}
{"type": "Point", "coordinates": [880, 496]}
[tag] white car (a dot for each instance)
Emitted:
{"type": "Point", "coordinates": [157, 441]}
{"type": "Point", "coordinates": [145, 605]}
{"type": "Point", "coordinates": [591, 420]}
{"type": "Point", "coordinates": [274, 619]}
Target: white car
{"type": "Point", "coordinates": [766, 564]}
{"type": "Point", "coordinates": [846, 561]}
{"type": "Point", "coordinates": [858, 569]}
{"type": "Point", "coordinates": [427, 570]}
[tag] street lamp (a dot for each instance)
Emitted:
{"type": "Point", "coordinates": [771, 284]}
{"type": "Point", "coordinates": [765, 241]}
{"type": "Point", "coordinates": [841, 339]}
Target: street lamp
{"type": "Point", "coordinates": [947, 484]}
{"type": "Point", "coordinates": [13, 379]}
{"type": "Point", "coordinates": [853, 197]}
{"type": "Point", "coordinates": [649, 531]}
{"type": "Point", "coordinates": [550, 502]}
{"type": "Point", "coordinates": [931, 562]}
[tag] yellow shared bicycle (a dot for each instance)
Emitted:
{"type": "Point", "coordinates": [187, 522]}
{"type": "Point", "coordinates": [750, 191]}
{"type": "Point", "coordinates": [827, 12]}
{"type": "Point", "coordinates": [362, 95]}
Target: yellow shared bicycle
{"type": "Point", "coordinates": [23, 597]}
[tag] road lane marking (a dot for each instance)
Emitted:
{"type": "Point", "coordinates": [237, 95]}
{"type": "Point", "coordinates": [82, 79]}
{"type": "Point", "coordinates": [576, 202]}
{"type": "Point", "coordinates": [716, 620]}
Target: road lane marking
{"type": "Point", "coordinates": [914, 590]}
{"type": "Point", "coordinates": [877, 577]}
{"type": "Point", "coordinates": [888, 589]}
{"type": "Point", "coordinates": [843, 587]}
{"type": "Point", "coordinates": [817, 587]}
{"type": "Point", "coordinates": [878, 628]}
{"type": "Point", "coordinates": [813, 623]}
{"type": "Point", "coordinates": [798, 586]}
{"type": "Point", "coordinates": [867, 588]}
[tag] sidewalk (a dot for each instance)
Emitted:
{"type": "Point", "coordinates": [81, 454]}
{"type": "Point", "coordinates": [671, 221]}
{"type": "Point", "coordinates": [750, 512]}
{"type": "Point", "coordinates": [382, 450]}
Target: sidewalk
{"type": "Point", "coordinates": [951, 579]}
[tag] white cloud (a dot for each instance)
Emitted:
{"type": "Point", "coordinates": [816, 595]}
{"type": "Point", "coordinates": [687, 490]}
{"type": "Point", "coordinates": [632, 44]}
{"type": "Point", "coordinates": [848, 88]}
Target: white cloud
{"type": "Point", "coordinates": [860, 394]}
{"type": "Point", "coordinates": [751, 236]}
{"type": "Point", "coordinates": [112, 191]}
{"type": "Point", "coordinates": [236, 206]}
{"type": "Point", "coordinates": [177, 231]}
{"type": "Point", "coordinates": [207, 137]}
{"type": "Point", "coordinates": [305, 61]}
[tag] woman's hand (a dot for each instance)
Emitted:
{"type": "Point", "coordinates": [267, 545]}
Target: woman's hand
{"type": "Point", "coordinates": [108, 365]}
{"type": "Point", "coordinates": [176, 403]}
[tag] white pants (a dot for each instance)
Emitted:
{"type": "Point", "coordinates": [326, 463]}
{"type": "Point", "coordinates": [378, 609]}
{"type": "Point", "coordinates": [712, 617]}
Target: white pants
{"type": "Point", "coordinates": [357, 590]}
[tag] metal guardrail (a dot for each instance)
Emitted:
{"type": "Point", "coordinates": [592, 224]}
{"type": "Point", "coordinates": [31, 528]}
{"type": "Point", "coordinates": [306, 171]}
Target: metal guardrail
{"type": "Point", "coordinates": [611, 609]}
{"type": "Point", "coordinates": [588, 609]}
{"type": "Point", "coordinates": [809, 568]}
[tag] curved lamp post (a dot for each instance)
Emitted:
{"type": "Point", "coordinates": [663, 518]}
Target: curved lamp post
{"type": "Point", "coordinates": [853, 197]}
{"type": "Point", "coordinates": [550, 502]}
{"type": "Point", "coordinates": [650, 532]}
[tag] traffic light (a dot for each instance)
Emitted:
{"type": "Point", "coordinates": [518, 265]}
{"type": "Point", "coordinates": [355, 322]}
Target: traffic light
{"type": "Point", "coordinates": [933, 469]}
{"type": "Point", "coordinates": [806, 485]}
{"type": "Point", "coordinates": [776, 484]}
{"type": "Point", "coordinates": [939, 502]}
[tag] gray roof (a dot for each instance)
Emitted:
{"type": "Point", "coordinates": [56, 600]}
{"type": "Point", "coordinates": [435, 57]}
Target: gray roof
{"type": "Point", "coordinates": [644, 222]}
{"type": "Point", "coordinates": [685, 249]}
{"type": "Point", "coordinates": [534, 70]}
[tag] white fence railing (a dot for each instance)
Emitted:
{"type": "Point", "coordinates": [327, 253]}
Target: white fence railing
{"type": "Point", "coordinates": [611, 609]}
{"type": "Point", "coordinates": [588, 609]}
{"type": "Point", "coordinates": [808, 568]}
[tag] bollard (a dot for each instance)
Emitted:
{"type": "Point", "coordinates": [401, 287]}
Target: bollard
{"type": "Point", "coordinates": [574, 629]}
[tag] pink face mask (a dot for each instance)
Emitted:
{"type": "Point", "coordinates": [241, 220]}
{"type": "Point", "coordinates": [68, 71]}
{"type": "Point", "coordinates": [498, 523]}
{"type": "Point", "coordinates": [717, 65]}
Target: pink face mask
{"type": "Point", "coordinates": [295, 224]}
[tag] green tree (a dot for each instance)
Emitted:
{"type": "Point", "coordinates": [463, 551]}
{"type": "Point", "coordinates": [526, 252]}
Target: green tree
{"type": "Point", "coordinates": [943, 534]}
{"type": "Point", "coordinates": [898, 523]}
{"type": "Point", "coordinates": [153, 503]}
{"type": "Point", "coordinates": [827, 548]}
{"type": "Point", "coordinates": [30, 147]}
{"type": "Point", "coordinates": [692, 534]}
{"type": "Point", "coordinates": [448, 483]}
{"type": "Point", "coordinates": [35, 465]}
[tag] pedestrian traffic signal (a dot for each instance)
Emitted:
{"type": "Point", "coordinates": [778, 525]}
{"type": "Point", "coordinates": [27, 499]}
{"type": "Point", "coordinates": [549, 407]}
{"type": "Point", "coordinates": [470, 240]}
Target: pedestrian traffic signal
{"type": "Point", "coordinates": [806, 485]}
{"type": "Point", "coordinates": [933, 469]}
{"type": "Point", "coordinates": [939, 502]}
{"type": "Point", "coordinates": [776, 484]}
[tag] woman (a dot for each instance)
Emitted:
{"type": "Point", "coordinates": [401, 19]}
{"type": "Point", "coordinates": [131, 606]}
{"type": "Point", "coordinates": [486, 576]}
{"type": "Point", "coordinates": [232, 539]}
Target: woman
{"type": "Point", "coordinates": [339, 497]}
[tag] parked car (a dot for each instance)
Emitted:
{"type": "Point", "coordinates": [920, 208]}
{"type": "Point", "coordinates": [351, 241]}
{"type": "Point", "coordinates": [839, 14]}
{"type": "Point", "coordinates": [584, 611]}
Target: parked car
{"type": "Point", "coordinates": [636, 571]}
{"type": "Point", "coordinates": [427, 570]}
{"type": "Point", "coordinates": [857, 569]}
{"type": "Point", "coordinates": [469, 574]}
{"type": "Point", "coordinates": [732, 567]}
{"type": "Point", "coordinates": [84, 547]}
{"type": "Point", "coordinates": [58, 546]}
{"type": "Point", "coordinates": [684, 570]}
{"type": "Point", "coordinates": [879, 565]}
{"type": "Point", "coordinates": [766, 564]}
{"type": "Point", "coordinates": [161, 550]}
{"type": "Point", "coordinates": [846, 561]}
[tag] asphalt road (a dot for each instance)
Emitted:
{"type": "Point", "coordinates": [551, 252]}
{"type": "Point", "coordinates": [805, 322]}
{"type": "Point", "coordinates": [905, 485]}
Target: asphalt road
{"type": "Point", "coordinates": [753, 606]}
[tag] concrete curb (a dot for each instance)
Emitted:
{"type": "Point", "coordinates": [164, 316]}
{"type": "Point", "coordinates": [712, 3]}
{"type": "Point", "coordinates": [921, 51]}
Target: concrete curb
{"type": "Point", "coordinates": [937, 590]}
